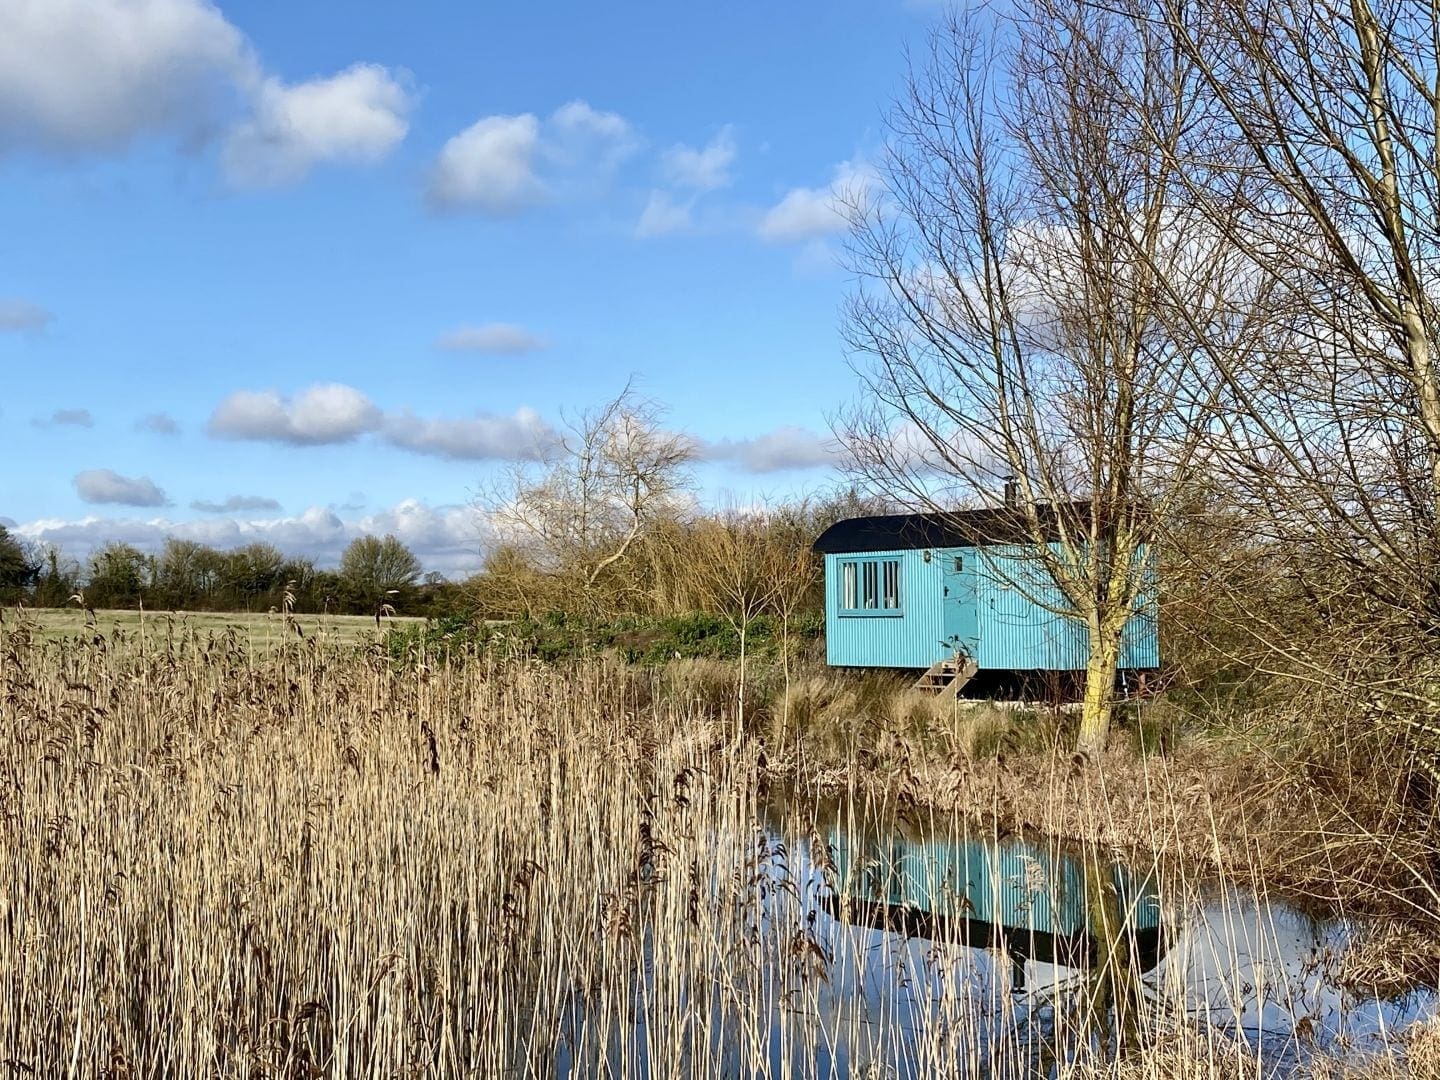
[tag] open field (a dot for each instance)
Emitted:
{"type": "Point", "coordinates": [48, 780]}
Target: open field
{"type": "Point", "coordinates": [222, 861]}
{"type": "Point", "coordinates": [256, 630]}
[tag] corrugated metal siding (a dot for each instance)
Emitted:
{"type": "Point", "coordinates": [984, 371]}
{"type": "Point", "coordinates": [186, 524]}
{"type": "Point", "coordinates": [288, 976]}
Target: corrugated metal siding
{"type": "Point", "coordinates": [1140, 644]}
{"type": "Point", "coordinates": [1020, 625]}
{"type": "Point", "coordinates": [1015, 623]}
{"type": "Point", "coordinates": [911, 639]}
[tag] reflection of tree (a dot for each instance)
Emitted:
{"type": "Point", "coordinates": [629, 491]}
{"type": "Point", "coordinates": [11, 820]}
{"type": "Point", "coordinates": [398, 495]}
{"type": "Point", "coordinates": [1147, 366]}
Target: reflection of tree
{"type": "Point", "coordinates": [1113, 998]}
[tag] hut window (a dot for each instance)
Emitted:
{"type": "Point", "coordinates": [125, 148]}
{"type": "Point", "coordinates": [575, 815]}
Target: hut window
{"type": "Point", "coordinates": [870, 586]}
{"type": "Point", "coordinates": [890, 585]}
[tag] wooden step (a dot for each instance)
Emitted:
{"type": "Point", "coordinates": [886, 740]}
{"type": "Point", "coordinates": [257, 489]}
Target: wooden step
{"type": "Point", "coordinates": [946, 678]}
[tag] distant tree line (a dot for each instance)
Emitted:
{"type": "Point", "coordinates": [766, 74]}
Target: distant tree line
{"type": "Point", "coordinates": [374, 573]}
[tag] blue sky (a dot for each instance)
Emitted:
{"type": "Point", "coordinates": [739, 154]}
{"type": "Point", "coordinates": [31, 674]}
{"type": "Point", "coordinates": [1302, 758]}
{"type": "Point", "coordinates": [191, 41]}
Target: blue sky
{"type": "Point", "coordinates": [298, 271]}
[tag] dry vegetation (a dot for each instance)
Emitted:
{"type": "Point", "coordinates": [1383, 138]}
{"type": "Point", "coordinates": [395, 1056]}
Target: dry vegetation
{"type": "Point", "coordinates": [314, 862]}
{"type": "Point", "coordinates": [256, 630]}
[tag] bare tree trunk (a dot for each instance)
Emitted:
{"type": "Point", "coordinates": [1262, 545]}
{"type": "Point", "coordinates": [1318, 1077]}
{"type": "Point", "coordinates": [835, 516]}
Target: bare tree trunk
{"type": "Point", "coordinates": [1101, 672]}
{"type": "Point", "coordinates": [740, 710]}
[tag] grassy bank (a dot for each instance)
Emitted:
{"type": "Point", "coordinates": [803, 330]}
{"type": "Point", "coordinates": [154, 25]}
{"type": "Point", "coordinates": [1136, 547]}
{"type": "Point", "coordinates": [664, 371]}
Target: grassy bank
{"type": "Point", "coordinates": [314, 860]}
{"type": "Point", "coordinates": [255, 630]}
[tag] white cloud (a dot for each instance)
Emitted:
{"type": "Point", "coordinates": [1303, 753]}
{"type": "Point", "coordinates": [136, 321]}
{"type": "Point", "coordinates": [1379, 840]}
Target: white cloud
{"type": "Point", "coordinates": [811, 213]}
{"type": "Point", "coordinates": [663, 215]}
{"type": "Point", "coordinates": [445, 538]}
{"type": "Point", "coordinates": [158, 423]}
{"type": "Point", "coordinates": [16, 314]}
{"type": "Point", "coordinates": [83, 76]}
{"type": "Point", "coordinates": [690, 174]}
{"type": "Point", "coordinates": [579, 135]}
{"type": "Point", "coordinates": [484, 437]}
{"type": "Point", "coordinates": [325, 413]}
{"type": "Point", "coordinates": [335, 413]}
{"type": "Point", "coordinates": [108, 486]}
{"type": "Point", "coordinates": [355, 117]}
{"type": "Point", "coordinates": [775, 451]}
{"type": "Point", "coordinates": [68, 418]}
{"type": "Point", "coordinates": [235, 504]}
{"type": "Point", "coordinates": [502, 165]}
{"type": "Point", "coordinates": [504, 339]}
{"type": "Point", "coordinates": [489, 167]}
{"type": "Point", "coordinates": [704, 169]}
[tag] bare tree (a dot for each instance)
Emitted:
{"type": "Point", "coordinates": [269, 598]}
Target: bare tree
{"type": "Point", "coordinates": [1329, 130]}
{"type": "Point", "coordinates": [583, 511]}
{"type": "Point", "coordinates": [742, 567]}
{"type": "Point", "coordinates": [1014, 319]}
{"type": "Point", "coordinates": [797, 570]}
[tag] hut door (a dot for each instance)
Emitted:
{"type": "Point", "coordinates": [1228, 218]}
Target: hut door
{"type": "Point", "coordinates": [962, 616]}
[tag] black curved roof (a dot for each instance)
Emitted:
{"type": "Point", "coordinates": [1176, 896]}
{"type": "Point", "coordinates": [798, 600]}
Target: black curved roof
{"type": "Point", "coordinates": [956, 528]}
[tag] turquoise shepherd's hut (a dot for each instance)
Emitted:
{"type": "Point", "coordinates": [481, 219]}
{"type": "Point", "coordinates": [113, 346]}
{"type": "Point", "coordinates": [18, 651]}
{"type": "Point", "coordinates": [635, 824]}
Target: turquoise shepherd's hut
{"type": "Point", "coordinates": [956, 593]}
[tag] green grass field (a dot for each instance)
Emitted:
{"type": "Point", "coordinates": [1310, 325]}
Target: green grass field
{"type": "Point", "coordinates": [257, 629]}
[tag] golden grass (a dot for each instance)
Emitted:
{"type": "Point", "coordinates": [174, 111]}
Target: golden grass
{"type": "Point", "coordinates": [306, 861]}
{"type": "Point", "coordinates": [255, 630]}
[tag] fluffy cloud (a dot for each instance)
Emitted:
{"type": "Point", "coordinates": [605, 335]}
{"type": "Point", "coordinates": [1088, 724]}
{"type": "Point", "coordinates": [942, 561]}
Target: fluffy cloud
{"type": "Point", "coordinates": [16, 314]}
{"type": "Point", "coordinates": [505, 339]}
{"type": "Point", "coordinates": [582, 136]}
{"type": "Point", "coordinates": [356, 117]}
{"type": "Point", "coordinates": [704, 169]}
{"type": "Point", "coordinates": [108, 486]}
{"type": "Point", "coordinates": [81, 76]}
{"type": "Point", "coordinates": [68, 418]}
{"type": "Point", "coordinates": [775, 451]}
{"type": "Point", "coordinates": [489, 167]}
{"type": "Point", "coordinates": [485, 437]}
{"type": "Point", "coordinates": [690, 173]}
{"type": "Point", "coordinates": [813, 213]}
{"type": "Point", "coordinates": [663, 215]}
{"type": "Point", "coordinates": [502, 165]}
{"type": "Point", "coordinates": [326, 413]}
{"type": "Point", "coordinates": [335, 413]}
{"type": "Point", "coordinates": [158, 423]}
{"type": "Point", "coordinates": [93, 76]}
{"type": "Point", "coordinates": [235, 504]}
{"type": "Point", "coordinates": [446, 538]}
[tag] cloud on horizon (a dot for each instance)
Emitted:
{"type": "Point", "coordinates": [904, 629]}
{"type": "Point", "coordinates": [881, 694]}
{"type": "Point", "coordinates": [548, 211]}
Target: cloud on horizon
{"type": "Point", "coordinates": [445, 538]}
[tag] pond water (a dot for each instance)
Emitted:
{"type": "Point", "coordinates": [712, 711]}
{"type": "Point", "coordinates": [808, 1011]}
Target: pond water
{"type": "Point", "coordinates": [917, 949]}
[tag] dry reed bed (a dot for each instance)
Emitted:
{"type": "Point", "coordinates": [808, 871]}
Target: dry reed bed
{"type": "Point", "coordinates": [215, 865]}
{"type": "Point", "coordinates": [313, 863]}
